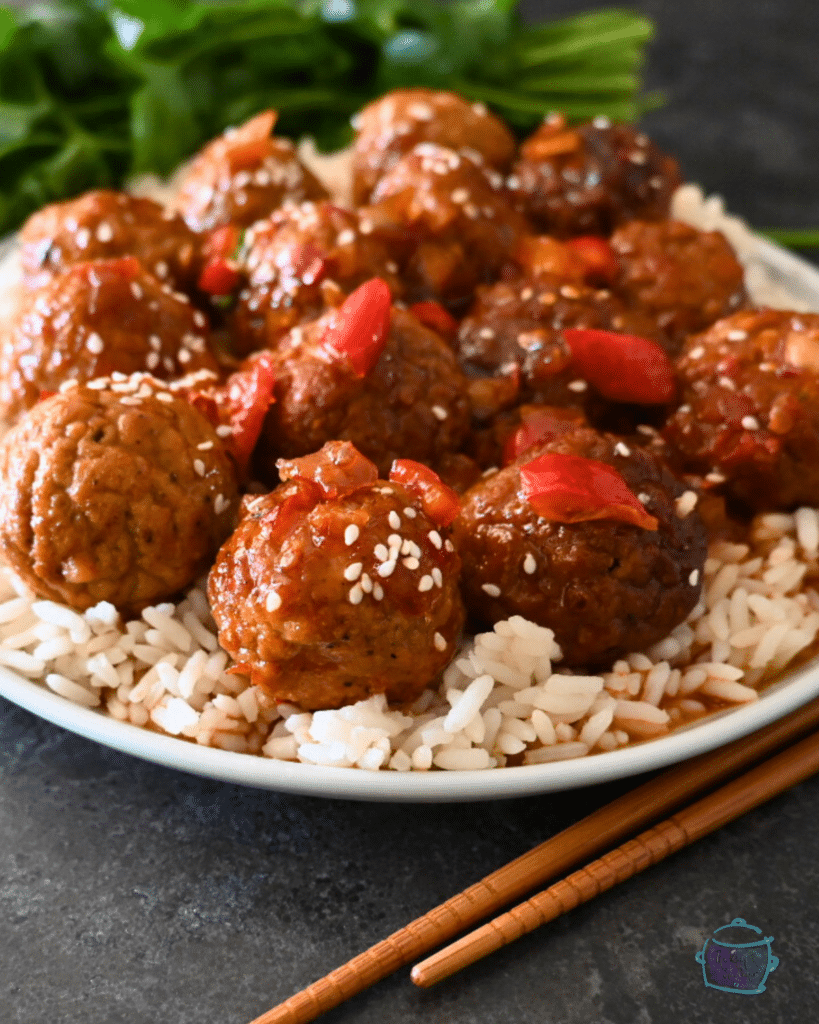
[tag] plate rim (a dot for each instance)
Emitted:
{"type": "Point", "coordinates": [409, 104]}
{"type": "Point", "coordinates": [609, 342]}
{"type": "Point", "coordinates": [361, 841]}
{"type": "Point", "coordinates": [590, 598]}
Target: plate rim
{"type": "Point", "coordinates": [789, 692]}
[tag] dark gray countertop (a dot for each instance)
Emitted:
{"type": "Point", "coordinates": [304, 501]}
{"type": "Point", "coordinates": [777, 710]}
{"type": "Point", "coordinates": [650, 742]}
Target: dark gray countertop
{"type": "Point", "coordinates": [132, 894]}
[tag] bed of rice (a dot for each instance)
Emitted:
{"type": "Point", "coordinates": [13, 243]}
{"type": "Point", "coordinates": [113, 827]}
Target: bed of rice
{"type": "Point", "coordinates": [503, 699]}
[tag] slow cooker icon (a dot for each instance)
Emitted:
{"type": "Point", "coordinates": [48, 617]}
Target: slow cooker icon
{"type": "Point", "coordinates": [736, 962]}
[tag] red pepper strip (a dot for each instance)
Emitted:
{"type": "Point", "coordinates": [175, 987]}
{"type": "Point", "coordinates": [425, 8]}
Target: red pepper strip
{"type": "Point", "coordinates": [433, 315]}
{"type": "Point", "coordinates": [439, 502]}
{"type": "Point", "coordinates": [248, 145]}
{"type": "Point", "coordinates": [219, 277]}
{"type": "Point", "coordinates": [128, 267]}
{"type": "Point", "coordinates": [278, 522]}
{"type": "Point", "coordinates": [223, 241]}
{"type": "Point", "coordinates": [598, 255]}
{"type": "Point", "coordinates": [338, 468]}
{"type": "Point", "coordinates": [540, 428]}
{"type": "Point", "coordinates": [359, 329]}
{"type": "Point", "coordinates": [571, 489]}
{"type": "Point", "coordinates": [623, 367]}
{"type": "Point", "coordinates": [240, 403]}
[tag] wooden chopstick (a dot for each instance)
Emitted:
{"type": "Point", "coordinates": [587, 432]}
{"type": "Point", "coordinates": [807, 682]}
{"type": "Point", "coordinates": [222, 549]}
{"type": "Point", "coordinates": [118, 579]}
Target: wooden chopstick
{"type": "Point", "coordinates": [600, 830]}
{"type": "Point", "coordinates": [683, 828]}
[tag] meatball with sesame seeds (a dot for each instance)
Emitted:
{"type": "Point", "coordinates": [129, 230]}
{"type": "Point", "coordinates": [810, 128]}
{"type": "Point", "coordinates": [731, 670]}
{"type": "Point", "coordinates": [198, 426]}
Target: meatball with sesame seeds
{"type": "Point", "coordinates": [391, 125]}
{"type": "Point", "coordinates": [749, 412]}
{"type": "Point", "coordinates": [95, 319]}
{"type": "Point", "coordinates": [409, 401]}
{"type": "Point", "coordinates": [682, 278]}
{"type": "Point", "coordinates": [459, 226]}
{"type": "Point", "coordinates": [605, 586]}
{"type": "Point", "coordinates": [298, 263]}
{"type": "Point", "coordinates": [590, 178]}
{"type": "Point", "coordinates": [242, 176]}
{"type": "Point", "coordinates": [338, 585]}
{"type": "Point", "coordinates": [114, 491]}
{"type": "Point", "coordinates": [104, 224]}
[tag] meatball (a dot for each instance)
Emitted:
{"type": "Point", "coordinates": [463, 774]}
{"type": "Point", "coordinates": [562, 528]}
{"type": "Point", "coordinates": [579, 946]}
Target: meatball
{"type": "Point", "coordinates": [298, 262]}
{"type": "Point", "coordinates": [243, 176]}
{"type": "Point", "coordinates": [589, 179]}
{"type": "Point", "coordinates": [749, 416]}
{"type": "Point", "coordinates": [518, 324]}
{"type": "Point", "coordinates": [117, 491]}
{"type": "Point", "coordinates": [605, 587]}
{"type": "Point", "coordinates": [459, 226]}
{"type": "Point", "coordinates": [684, 279]}
{"type": "Point", "coordinates": [95, 319]}
{"type": "Point", "coordinates": [104, 224]}
{"type": "Point", "coordinates": [390, 126]}
{"type": "Point", "coordinates": [330, 592]}
{"type": "Point", "coordinates": [412, 403]}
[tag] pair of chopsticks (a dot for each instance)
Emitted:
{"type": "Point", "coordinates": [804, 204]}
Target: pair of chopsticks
{"type": "Point", "coordinates": [599, 831]}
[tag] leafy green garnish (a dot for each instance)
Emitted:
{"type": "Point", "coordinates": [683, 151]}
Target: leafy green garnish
{"type": "Point", "coordinates": [93, 90]}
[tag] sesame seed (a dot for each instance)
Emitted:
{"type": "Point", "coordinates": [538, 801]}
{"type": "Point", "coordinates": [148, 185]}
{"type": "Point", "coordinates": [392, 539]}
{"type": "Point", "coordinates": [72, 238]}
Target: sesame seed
{"type": "Point", "coordinates": [491, 589]}
{"type": "Point", "coordinates": [410, 562]}
{"type": "Point", "coordinates": [82, 238]}
{"type": "Point", "coordinates": [435, 539]}
{"type": "Point", "coordinates": [220, 504]}
{"type": "Point", "coordinates": [750, 423]}
{"type": "Point", "coordinates": [183, 355]}
{"type": "Point", "coordinates": [437, 576]}
{"type": "Point", "coordinates": [715, 478]}
{"type": "Point", "coordinates": [94, 343]}
{"type": "Point", "coordinates": [686, 503]}
{"type": "Point", "coordinates": [410, 513]}
{"type": "Point", "coordinates": [351, 534]}
{"type": "Point", "coordinates": [439, 642]}
{"type": "Point", "coordinates": [526, 294]}
{"type": "Point", "coordinates": [449, 546]}
{"type": "Point", "coordinates": [381, 553]}
{"type": "Point", "coordinates": [697, 353]}
{"type": "Point", "coordinates": [365, 227]}
{"type": "Point", "coordinates": [459, 195]}
{"type": "Point", "coordinates": [694, 578]}
{"type": "Point", "coordinates": [414, 550]}
{"type": "Point", "coordinates": [205, 446]}
{"type": "Point", "coordinates": [105, 232]}
{"type": "Point", "coordinates": [736, 335]}
{"type": "Point", "coordinates": [643, 498]}
{"type": "Point", "coordinates": [644, 428]}
{"type": "Point", "coordinates": [487, 333]}
{"type": "Point", "coordinates": [726, 382]}
{"type": "Point", "coordinates": [637, 157]}
{"type": "Point", "coordinates": [199, 319]}
{"type": "Point", "coordinates": [378, 592]}
{"type": "Point", "coordinates": [136, 291]}
{"type": "Point", "coordinates": [394, 520]}
{"type": "Point", "coordinates": [356, 595]}
{"type": "Point", "coordinates": [199, 467]}
{"type": "Point", "coordinates": [161, 268]}
{"type": "Point", "coordinates": [353, 571]}
{"type": "Point", "coordinates": [439, 412]}
{"type": "Point", "coordinates": [273, 602]}
{"type": "Point", "coordinates": [366, 583]}
{"type": "Point", "coordinates": [155, 342]}
{"type": "Point", "coordinates": [529, 564]}
{"type": "Point", "coordinates": [622, 449]}
{"type": "Point", "coordinates": [577, 385]}
{"type": "Point", "coordinates": [166, 396]}
{"type": "Point", "coordinates": [394, 540]}
{"type": "Point", "coordinates": [386, 568]}
{"type": "Point", "coordinates": [425, 583]}
{"type": "Point", "coordinates": [152, 360]}
{"type": "Point", "coordinates": [569, 293]}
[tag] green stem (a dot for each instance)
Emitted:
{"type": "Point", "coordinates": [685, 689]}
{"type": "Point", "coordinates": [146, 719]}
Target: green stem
{"type": "Point", "coordinates": [793, 238]}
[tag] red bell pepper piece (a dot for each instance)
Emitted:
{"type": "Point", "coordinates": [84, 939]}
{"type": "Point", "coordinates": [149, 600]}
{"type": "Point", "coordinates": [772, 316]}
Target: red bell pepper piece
{"type": "Point", "coordinates": [219, 277]}
{"type": "Point", "coordinates": [433, 315]}
{"type": "Point", "coordinates": [338, 468]}
{"type": "Point", "coordinates": [571, 489]}
{"type": "Point", "coordinates": [360, 326]}
{"type": "Point", "coordinates": [439, 502]}
{"type": "Point", "coordinates": [247, 146]}
{"type": "Point", "coordinates": [302, 497]}
{"type": "Point", "coordinates": [540, 428]}
{"type": "Point", "coordinates": [598, 255]}
{"type": "Point", "coordinates": [222, 241]}
{"type": "Point", "coordinates": [622, 367]}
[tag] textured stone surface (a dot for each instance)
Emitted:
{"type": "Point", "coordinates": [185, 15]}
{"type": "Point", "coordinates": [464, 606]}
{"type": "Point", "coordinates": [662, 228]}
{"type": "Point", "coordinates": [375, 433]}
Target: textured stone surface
{"type": "Point", "coordinates": [131, 894]}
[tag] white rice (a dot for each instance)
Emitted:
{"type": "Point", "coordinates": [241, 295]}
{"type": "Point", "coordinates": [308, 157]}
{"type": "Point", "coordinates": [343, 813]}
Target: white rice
{"type": "Point", "coordinates": [500, 698]}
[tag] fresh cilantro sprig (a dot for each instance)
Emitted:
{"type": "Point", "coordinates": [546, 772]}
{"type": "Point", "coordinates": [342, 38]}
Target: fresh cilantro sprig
{"type": "Point", "coordinates": [91, 91]}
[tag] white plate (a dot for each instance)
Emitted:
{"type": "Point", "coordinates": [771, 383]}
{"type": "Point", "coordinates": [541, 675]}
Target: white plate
{"type": "Point", "coordinates": [791, 691]}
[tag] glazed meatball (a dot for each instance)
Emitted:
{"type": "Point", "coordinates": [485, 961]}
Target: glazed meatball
{"type": "Point", "coordinates": [517, 326]}
{"type": "Point", "coordinates": [243, 176]}
{"type": "Point", "coordinates": [118, 492]}
{"type": "Point", "coordinates": [104, 224]}
{"type": "Point", "coordinates": [459, 226]}
{"type": "Point", "coordinates": [299, 262]}
{"type": "Point", "coordinates": [331, 591]}
{"type": "Point", "coordinates": [749, 416]}
{"type": "Point", "coordinates": [605, 587]}
{"type": "Point", "coordinates": [95, 319]}
{"type": "Point", "coordinates": [393, 124]}
{"type": "Point", "coordinates": [411, 404]}
{"type": "Point", "coordinates": [588, 179]}
{"type": "Point", "coordinates": [682, 278]}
